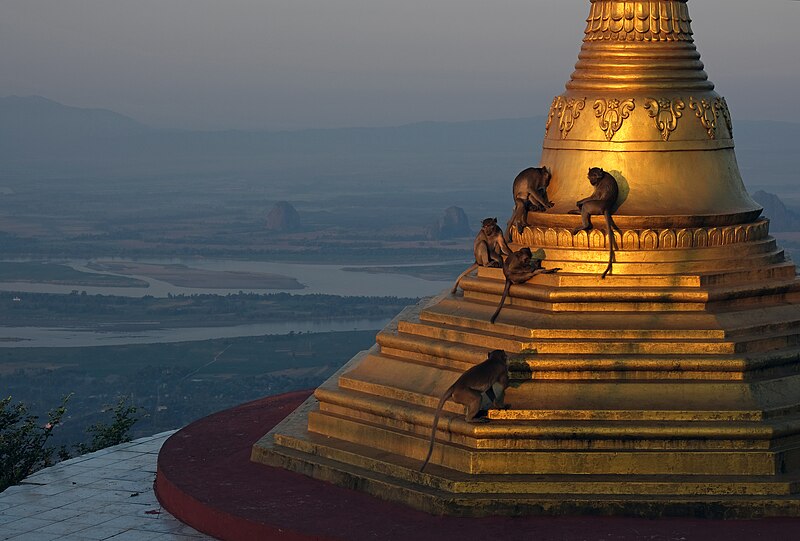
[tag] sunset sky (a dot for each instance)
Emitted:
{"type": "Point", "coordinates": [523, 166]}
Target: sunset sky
{"type": "Point", "coordinates": [288, 64]}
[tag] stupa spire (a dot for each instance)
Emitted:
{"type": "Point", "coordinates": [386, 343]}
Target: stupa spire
{"type": "Point", "coordinates": [639, 45]}
{"type": "Point", "coordinates": [639, 104]}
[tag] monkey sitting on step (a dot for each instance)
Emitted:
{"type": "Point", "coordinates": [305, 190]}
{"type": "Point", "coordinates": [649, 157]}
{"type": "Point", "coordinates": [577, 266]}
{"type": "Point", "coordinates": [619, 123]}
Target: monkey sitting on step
{"type": "Point", "coordinates": [518, 268]}
{"type": "Point", "coordinates": [468, 388]}
{"type": "Point", "coordinates": [602, 201]}
{"type": "Point", "coordinates": [530, 194]}
{"type": "Point", "coordinates": [489, 248]}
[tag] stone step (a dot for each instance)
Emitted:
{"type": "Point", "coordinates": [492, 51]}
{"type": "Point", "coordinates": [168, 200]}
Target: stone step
{"type": "Point", "coordinates": [536, 291]}
{"type": "Point", "coordinates": [555, 405]}
{"type": "Point", "coordinates": [737, 367]}
{"type": "Point", "coordinates": [784, 270]}
{"type": "Point", "coordinates": [580, 399]}
{"type": "Point", "coordinates": [743, 251]}
{"type": "Point", "coordinates": [404, 469]}
{"type": "Point", "coordinates": [764, 289]}
{"type": "Point", "coordinates": [536, 462]}
{"type": "Point", "coordinates": [775, 319]}
{"type": "Point", "coordinates": [644, 267]}
{"type": "Point", "coordinates": [456, 311]}
{"type": "Point", "coordinates": [538, 365]}
{"type": "Point", "coordinates": [476, 290]}
{"type": "Point", "coordinates": [558, 434]}
{"type": "Point", "coordinates": [583, 345]}
{"type": "Point", "coordinates": [608, 346]}
{"type": "Point", "coordinates": [728, 499]}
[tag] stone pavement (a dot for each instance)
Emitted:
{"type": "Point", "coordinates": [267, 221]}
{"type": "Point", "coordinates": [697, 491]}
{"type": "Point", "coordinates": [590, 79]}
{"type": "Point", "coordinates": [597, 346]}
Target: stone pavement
{"type": "Point", "coordinates": [103, 495]}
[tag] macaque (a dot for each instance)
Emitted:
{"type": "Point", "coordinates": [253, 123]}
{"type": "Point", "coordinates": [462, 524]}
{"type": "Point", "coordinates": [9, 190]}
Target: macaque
{"type": "Point", "coordinates": [469, 387]}
{"type": "Point", "coordinates": [489, 248]}
{"type": "Point", "coordinates": [518, 268]}
{"type": "Point", "coordinates": [602, 201]}
{"type": "Point", "coordinates": [530, 194]}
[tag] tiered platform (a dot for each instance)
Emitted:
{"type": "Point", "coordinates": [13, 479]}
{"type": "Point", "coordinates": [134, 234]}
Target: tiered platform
{"type": "Point", "coordinates": [205, 479]}
{"type": "Point", "coordinates": [669, 388]}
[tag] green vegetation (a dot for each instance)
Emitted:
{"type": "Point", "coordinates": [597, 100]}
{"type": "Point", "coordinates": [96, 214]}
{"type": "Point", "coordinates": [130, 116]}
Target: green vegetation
{"type": "Point", "coordinates": [24, 447]}
{"type": "Point", "coordinates": [118, 431]}
{"type": "Point", "coordinates": [53, 273]}
{"type": "Point", "coordinates": [175, 383]}
{"type": "Point", "coordinates": [24, 440]}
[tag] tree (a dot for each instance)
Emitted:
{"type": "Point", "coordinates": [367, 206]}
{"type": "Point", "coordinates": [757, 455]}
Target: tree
{"type": "Point", "coordinates": [105, 435]}
{"type": "Point", "coordinates": [23, 440]}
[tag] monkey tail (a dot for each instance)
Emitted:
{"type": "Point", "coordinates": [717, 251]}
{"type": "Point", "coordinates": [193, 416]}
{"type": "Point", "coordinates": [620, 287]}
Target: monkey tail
{"type": "Point", "coordinates": [502, 302]}
{"type": "Point", "coordinates": [463, 274]}
{"type": "Point", "coordinates": [447, 394]}
{"type": "Point", "coordinates": [509, 236]}
{"type": "Point", "coordinates": [610, 222]}
{"type": "Point", "coordinates": [612, 241]}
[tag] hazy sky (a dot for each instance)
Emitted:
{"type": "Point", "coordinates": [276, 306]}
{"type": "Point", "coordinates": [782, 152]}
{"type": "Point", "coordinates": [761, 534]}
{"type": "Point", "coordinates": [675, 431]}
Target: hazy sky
{"type": "Point", "coordinates": [325, 63]}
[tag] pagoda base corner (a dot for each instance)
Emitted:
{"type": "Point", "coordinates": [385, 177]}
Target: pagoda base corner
{"type": "Point", "coordinates": [397, 478]}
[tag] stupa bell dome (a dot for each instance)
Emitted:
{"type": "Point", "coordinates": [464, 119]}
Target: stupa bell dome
{"type": "Point", "coordinates": [640, 105]}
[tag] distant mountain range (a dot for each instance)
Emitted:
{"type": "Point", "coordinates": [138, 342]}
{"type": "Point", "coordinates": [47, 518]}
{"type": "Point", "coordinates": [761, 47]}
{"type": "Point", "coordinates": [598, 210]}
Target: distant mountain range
{"type": "Point", "coordinates": [35, 117]}
{"type": "Point", "coordinates": [41, 136]}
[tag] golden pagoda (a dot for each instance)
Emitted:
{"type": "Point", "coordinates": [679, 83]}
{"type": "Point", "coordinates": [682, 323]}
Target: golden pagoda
{"type": "Point", "coordinates": [671, 387]}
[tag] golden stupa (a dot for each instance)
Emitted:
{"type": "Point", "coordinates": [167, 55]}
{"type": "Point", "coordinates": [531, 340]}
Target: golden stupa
{"type": "Point", "coordinates": [672, 387]}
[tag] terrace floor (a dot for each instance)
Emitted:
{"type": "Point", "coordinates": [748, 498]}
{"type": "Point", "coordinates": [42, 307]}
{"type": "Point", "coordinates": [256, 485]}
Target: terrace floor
{"type": "Point", "coordinates": [103, 495]}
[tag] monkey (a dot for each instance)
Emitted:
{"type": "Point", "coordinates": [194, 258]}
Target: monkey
{"type": "Point", "coordinates": [530, 193]}
{"type": "Point", "coordinates": [602, 201]}
{"type": "Point", "coordinates": [468, 388]}
{"type": "Point", "coordinates": [518, 268]}
{"type": "Point", "coordinates": [489, 248]}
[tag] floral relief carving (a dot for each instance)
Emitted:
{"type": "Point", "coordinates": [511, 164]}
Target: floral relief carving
{"type": "Point", "coordinates": [639, 20]}
{"type": "Point", "coordinates": [597, 239]}
{"type": "Point", "coordinates": [667, 239]}
{"type": "Point", "coordinates": [721, 108]}
{"type": "Point", "coordinates": [581, 240]}
{"type": "Point", "coordinates": [568, 113]}
{"type": "Point", "coordinates": [630, 240]}
{"type": "Point", "coordinates": [647, 239]}
{"type": "Point", "coordinates": [612, 113]}
{"type": "Point", "coordinates": [666, 113]}
{"type": "Point", "coordinates": [701, 238]}
{"type": "Point", "coordinates": [555, 107]}
{"type": "Point", "coordinates": [684, 238]}
{"type": "Point", "coordinates": [550, 237]}
{"type": "Point", "coordinates": [714, 237]}
{"type": "Point", "coordinates": [565, 238]}
{"type": "Point", "coordinates": [728, 235]}
{"type": "Point", "coordinates": [707, 113]}
{"type": "Point", "coordinates": [538, 236]}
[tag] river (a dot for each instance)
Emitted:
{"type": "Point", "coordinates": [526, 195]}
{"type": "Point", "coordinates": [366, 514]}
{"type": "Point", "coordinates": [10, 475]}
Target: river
{"type": "Point", "coordinates": [28, 337]}
{"type": "Point", "coordinates": [325, 279]}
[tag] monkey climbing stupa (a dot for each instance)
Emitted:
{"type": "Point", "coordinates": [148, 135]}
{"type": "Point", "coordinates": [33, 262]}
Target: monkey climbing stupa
{"type": "Point", "coordinates": [671, 387]}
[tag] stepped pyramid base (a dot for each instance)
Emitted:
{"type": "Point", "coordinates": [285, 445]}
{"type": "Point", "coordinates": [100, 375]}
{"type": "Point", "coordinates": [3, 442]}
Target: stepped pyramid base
{"type": "Point", "coordinates": [672, 387]}
{"type": "Point", "coordinates": [444, 492]}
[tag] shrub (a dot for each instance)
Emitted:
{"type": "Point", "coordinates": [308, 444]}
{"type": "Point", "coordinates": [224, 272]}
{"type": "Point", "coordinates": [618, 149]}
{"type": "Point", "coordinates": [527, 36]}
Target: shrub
{"type": "Point", "coordinates": [105, 435]}
{"type": "Point", "coordinates": [23, 441]}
